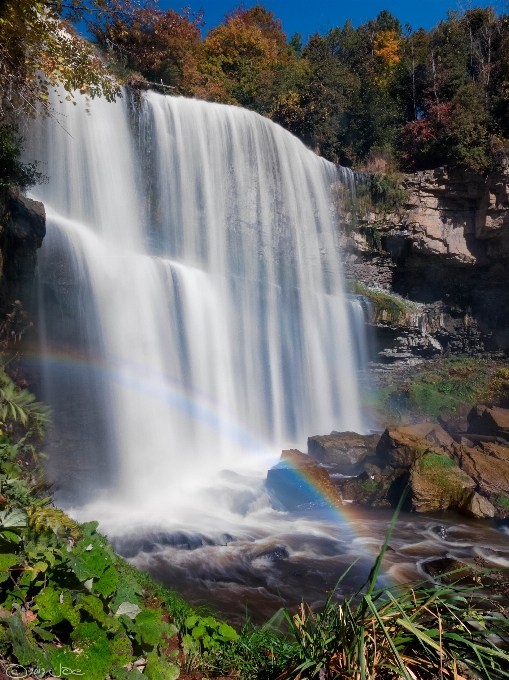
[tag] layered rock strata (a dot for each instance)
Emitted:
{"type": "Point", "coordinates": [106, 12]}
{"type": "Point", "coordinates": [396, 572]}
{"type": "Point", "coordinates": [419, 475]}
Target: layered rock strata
{"type": "Point", "coordinates": [446, 250]}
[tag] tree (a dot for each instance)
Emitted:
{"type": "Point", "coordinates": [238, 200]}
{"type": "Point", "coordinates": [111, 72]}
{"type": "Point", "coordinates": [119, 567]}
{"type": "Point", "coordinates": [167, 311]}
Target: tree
{"type": "Point", "coordinates": [40, 49]}
{"type": "Point", "coordinates": [245, 61]}
{"type": "Point", "coordinates": [158, 44]}
{"type": "Point", "coordinates": [454, 133]}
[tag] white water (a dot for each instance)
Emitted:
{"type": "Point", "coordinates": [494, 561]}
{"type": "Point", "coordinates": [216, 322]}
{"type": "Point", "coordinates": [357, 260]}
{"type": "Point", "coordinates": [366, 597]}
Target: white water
{"type": "Point", "coordinates": [191, 288]}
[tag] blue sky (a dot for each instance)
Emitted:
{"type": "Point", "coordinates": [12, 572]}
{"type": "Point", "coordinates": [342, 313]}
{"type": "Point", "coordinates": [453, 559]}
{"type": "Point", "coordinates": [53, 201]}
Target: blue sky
{"type": "Point", "coordinates": [309, 16]}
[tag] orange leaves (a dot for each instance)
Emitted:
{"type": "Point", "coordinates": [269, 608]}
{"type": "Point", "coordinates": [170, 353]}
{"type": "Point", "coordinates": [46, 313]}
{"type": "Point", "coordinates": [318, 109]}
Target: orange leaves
{"type": "Point", "coordinates": [240, 58]}
{"type": "Point", "coordinates": [386, 50]}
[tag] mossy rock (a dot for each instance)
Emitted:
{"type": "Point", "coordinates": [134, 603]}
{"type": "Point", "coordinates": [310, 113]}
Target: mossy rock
{"type": "Point", "coordinates": [437, 483]}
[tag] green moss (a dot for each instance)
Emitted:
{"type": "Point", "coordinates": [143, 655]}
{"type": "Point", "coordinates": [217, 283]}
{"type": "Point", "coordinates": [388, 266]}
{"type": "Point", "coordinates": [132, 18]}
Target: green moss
{"type": "Point", "coordinates": [451, 385]}
{"type": "Point", "coordinates": [439, 389]}
{"type": "Point", "coordinates": [370, 487]}
{"type": "Point", "coordinates": [441, 473]}
{"type": "Point", "coordinates": [436, 462]}
{"type": "Point", "coordinates": [502, 502]}
{"type": "Point", "coordinates": [388, 306]}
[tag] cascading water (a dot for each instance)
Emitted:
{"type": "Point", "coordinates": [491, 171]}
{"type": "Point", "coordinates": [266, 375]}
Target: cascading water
{"type": "Point", "coordinates": [213, 307]}
{"type": "Point", "coordinates": [192, 316]}
{"type": "Point", "coordinates": [193, 323]}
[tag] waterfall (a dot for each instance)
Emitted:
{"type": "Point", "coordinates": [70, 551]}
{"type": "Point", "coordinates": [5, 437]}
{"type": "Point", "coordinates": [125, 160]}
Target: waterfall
{"type": "Point", "coordinates": [192, 315]}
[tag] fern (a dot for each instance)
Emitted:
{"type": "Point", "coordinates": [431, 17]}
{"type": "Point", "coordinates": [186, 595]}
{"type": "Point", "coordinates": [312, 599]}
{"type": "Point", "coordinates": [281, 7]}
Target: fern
{"type": "Point", "coordinates": [21, 406]}
{"type": "Point", "coordinates": [48, 518]}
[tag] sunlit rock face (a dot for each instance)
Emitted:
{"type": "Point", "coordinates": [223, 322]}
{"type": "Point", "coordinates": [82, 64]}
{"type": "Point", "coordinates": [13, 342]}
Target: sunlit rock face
{"type": "Point", "coordinates": [446, 249]}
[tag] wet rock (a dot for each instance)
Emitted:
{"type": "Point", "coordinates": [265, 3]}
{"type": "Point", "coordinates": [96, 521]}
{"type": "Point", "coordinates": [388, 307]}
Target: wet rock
{"type": "Point", "coordinates": [479, 507]}
{"type": "Point", "coordinates": [344, 450]}
{"type": "Point", "coordinates": [276, 554]}
{"type": "Point", "coordinates": [491, 474]}
{"type": "Point", "coordinates": [489, 421]}
{"type": "Point", "coordinates": [24, 232]}
{"type": "Point", "coordinates": [298, 480]}
{"type": "Point", "coordinates": [366, 489]}
{"type": "Point", "coordinates": [373, 488]}
{"type": "Point", "coordinates": [453, 424]}
{"type": "Point", "coordinates": [437, 483]}
{"type": "Point", "coordinates": [445, 565]}
{"type": "Point", "coordinates": [401, 447]}
{"type": "Point", "coordinates": [27, 220]}
{"type": "Point", "coordinates": [431, 432]}
{"type": "Point", "coordinates": [477, 439]}
{"type": "Point", "coordinates": [297, 458]}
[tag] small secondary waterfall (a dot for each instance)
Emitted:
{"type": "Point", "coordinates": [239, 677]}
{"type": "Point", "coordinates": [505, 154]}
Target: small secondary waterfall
{"type": "Point", "coordinates": [192, 309]}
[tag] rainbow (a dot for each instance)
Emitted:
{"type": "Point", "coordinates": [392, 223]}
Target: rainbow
{"type": "Point", "coordinates": [207, 411]}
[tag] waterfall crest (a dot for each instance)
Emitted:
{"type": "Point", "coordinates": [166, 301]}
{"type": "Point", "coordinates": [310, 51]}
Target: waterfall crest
{"type": "Point", "coordinates": [192, 308]}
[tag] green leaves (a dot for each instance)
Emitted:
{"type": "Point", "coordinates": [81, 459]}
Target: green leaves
{"type": "Point", "coordinates": [13, 518]}
{"type": "Point", "coordinates": [121, 650]}
{"type": "Point", "coordinates": [6, 562]}
{"type": "Point", "coordinates": [128, 609]}
{"type": "Point", "coordinates": [127, 592]}
{"type": "Point", "coordinates": [24, 646]}
{"type": "Point", "coordinates": [54, 606]}
{"type": "Point", "coordinates": [90, 559]}
{"type": "Point", "coordinates": [207, 633]}
{"type": "Point", "coordinates": [149, 626]}
{"type": "Point", "coordinates": [90, 652]}
{"type": "Point", "coordinates": [108, 582]}
{"type": "Point", "coordinates": [157, 668]}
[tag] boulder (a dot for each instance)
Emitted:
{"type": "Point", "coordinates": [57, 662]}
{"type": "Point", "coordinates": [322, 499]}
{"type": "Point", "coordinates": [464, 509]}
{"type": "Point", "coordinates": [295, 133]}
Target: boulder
{"type": "Point", "coordinates": [296, 458]}
{"type": "Point", "coordinates": [431, 432]}
{"type": "Point", "coordinates": [491, 474]}
{"type": "Point", "coordinates": [479, 507]}
{"type": "Point", "coordinates": [401, 447]}
{"type": "Point", "coordinates": [453, 423]}
{"type": "Point", "coordinates": [297, 480]}
{"type": "Point", "coordinates": [373, 488]}
{"type": "Point", "coordinates": [344, 450]}
{"type": "Point", "coordinates": [495, 450]}
{"type": "Point", "coordinates": [367, 489]}
{"type": "Point", "coordinates": [494, 421]}
{"type": "Point", "coordinates": [437, 483]}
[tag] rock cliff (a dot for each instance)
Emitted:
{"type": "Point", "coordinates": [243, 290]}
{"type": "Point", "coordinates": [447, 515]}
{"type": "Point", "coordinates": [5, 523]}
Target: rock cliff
{"type": "Point", "coordinates": [447, 250]}
{"type": "Point", "coordinates": [22, 229]}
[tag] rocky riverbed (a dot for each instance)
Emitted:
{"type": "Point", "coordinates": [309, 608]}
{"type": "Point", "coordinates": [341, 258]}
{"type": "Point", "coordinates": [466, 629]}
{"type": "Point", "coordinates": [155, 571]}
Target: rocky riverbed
{"type": "Point", "coordinates": [461, 466]}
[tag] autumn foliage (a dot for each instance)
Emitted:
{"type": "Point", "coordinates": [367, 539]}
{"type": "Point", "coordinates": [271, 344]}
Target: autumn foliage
{"type": "Point", "coordinates": [39, 50]}
{"type": "Point", "coordinates": [352, 94]}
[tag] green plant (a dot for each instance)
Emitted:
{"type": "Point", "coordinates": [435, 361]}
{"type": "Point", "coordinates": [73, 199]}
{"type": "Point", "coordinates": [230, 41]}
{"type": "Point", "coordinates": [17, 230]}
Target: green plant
{"type": "Point", "coordinates": [13, 172]}
{"type": "Point", "coordinates": [386, 192]}
{"type": "Point", "coordinates": [406, 631]}
{"type": "Point", "coordinates": [503, 502]}
{"type": "Point", "coordinates": [497, 389]}
{"type": "Point", "coordinates": [207, 633]}
{"type": "Point", "coordinates": [46, 518]}
{"type": "Point", "coordinates": [20, 405]}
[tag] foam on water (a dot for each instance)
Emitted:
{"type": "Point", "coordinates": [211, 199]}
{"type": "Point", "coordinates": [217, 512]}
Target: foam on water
{"type": "Point", "coordinates": [192, 310]}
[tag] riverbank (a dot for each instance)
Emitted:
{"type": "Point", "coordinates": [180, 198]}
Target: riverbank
{"type": "Point", "coordinates": [70, 605]}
